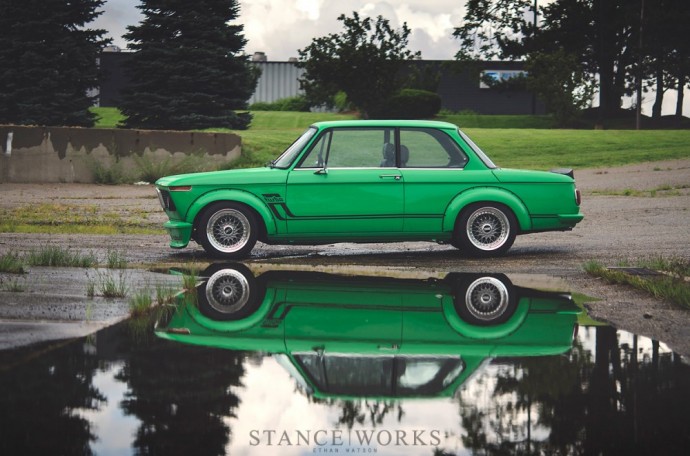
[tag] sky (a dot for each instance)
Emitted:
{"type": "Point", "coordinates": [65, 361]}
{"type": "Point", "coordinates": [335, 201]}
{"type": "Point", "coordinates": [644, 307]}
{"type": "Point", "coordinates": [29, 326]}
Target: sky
{"type": "Point", "coordinates": [281, 27]}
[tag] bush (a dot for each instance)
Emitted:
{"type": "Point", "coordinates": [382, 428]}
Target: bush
{"type": "Point", "coordinates": [297, 103]}
{"type": "Point", "coordinates": [412, 104]}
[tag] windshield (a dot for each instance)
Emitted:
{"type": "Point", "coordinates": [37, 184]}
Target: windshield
{"type": "Point", "coordinates": [287, 157]}
{"type": "Point", "coordinates": [482, 156]}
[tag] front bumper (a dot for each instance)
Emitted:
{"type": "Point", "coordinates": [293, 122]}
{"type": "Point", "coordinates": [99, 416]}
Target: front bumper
{"type": "Point", "coordinates": [180, 233]}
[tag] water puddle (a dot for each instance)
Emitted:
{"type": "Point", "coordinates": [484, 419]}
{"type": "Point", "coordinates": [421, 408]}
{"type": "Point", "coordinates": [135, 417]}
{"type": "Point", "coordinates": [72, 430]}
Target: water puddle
{"type": "Point", "coordinates": [297, 362]}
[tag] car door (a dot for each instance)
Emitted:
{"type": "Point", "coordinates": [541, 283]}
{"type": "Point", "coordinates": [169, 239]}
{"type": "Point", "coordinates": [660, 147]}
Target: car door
{"type": "Point", "coordinates": [432, 166]}
{"type": "Point", "coordinates": [345, 186]}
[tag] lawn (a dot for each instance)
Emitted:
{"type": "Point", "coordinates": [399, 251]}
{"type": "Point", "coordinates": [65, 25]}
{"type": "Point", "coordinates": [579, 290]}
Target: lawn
{"type": "Point", "coordinates": [527, 144]}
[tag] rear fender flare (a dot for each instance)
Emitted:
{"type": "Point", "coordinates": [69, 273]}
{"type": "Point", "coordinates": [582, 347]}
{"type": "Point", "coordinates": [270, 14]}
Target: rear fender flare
{"type": "Point", "coordinates": [489, 195]}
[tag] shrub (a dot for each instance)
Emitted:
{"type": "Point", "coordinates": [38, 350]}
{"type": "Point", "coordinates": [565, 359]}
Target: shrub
{"type": "Point", "coordinates": [297, 103]}
{"type": "Point", "coordinates": [412, 104]}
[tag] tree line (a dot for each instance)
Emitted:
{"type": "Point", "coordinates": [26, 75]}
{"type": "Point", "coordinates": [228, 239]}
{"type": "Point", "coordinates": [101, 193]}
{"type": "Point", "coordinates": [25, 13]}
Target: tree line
{"type": "Point", "coordinates": [189, 69]}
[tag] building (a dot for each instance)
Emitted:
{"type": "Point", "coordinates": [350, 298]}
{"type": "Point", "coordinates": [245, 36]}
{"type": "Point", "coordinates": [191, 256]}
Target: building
{"type": "Point", "coordinates": [459, 85]}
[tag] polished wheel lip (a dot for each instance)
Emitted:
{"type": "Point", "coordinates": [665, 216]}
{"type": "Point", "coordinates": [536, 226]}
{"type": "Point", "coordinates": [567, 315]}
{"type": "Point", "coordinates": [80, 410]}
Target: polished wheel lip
{"type": "Point", "coordinates": [228, 230]}
{"type": "Point", "coordinates": [488, 228]}
{"type": "Point", "coordinates": [487, 298]}
{"type": "Point", "coordinates": [227, 291]}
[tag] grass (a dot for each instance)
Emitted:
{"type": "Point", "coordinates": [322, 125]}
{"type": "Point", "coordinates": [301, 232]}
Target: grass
{"type": "Point", "coordinates": [511, 141]}
{"type": "Point", "coordinates": [12, 263]}
{"type": "Point", "coordinates": [116, 260]}
{"type": "Point", "coordinates": [662, 190]}
{"type": "Point", "coordinates": [671, 285]}
{"type": "Point", "coordinates": [56, 256]}
{"type": "Point", "coordinates": [58, 218]}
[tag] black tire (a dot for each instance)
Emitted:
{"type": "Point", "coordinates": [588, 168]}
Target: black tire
{"type": "Point", "coordinates": [227, 230]}
{"type": "Point", "coordinates": [485, 229]}
{"type": "Point", "coordinates": [485, 299]}
{"type": "Point", "coordinates": [230, 292]}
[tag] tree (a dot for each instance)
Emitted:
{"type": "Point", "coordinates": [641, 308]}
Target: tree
{"type": "Point", "coordinates": [363, 61]}
{"type": "Point", "coordinates": [559, 81]}
{"type": "Point", "coordinates": [49, 61]}
{"type": "Point", "coordinates": [601, 34]}
{"type": "Point", "coordinates": [189, 70]}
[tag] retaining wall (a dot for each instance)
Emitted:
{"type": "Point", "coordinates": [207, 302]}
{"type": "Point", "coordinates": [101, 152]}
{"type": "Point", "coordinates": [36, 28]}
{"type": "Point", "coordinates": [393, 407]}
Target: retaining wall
{"type": "Point", "coordinates": [68, 154]}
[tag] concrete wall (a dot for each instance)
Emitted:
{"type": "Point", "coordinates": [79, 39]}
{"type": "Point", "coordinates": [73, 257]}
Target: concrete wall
{"type": "Point", "coordinates": [64, 154]}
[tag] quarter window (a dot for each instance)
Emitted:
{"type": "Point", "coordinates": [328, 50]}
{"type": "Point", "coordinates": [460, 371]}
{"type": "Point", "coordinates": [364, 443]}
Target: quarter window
{"type": "Point", "coordinates": [429, 148]}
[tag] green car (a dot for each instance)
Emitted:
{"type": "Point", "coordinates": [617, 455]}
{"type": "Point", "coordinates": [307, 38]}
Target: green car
{"type": "Point", "coordinates": [355, 336]}
{"type": "Point", "coordinates": [369, 181]}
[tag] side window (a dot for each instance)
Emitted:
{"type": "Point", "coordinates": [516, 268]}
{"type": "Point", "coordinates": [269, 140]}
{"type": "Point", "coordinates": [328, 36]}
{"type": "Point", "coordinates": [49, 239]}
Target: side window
{"type": "Point", "coordinates": [350, 148]}
{"type": "Point", "coordinates": [429, 148]}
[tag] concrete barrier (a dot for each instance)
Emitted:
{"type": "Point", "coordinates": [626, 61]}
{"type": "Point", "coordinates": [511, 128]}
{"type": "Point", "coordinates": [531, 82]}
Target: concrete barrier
{"type": "Point", "coordinates": [68, 154]}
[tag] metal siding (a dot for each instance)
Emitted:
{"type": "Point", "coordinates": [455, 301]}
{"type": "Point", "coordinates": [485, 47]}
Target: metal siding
{"type": "Point", "coordinates": [278, 80]}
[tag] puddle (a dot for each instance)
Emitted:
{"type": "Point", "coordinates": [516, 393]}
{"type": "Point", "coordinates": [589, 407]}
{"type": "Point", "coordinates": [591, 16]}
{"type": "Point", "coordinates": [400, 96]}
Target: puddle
{"type": "Point", "coordinates": [310, 362]}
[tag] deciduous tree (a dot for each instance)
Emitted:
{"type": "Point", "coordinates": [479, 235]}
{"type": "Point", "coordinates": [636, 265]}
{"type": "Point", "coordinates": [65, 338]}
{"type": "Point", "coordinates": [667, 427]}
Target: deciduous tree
{"type": "Point", "coordinates": [364, 61]}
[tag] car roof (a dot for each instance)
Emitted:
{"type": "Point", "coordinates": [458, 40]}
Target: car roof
{"type": "Point", "coordinates": [386, 123]}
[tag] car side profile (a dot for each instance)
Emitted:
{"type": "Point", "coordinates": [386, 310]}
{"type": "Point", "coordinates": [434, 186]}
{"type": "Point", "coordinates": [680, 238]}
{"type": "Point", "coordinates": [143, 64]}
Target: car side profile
{"type": "Point", "coordinates": [369, 181]}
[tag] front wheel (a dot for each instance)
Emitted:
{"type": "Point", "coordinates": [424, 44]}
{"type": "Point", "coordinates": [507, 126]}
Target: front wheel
{"type": "Point", "coordinates": [485, 229]}
{"type": "Point", "coordinates": [227, 230]}
{"type": "Point", "coordinates": [231, 292]}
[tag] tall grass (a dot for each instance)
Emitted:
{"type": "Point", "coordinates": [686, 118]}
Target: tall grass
{"type": "Point", "coordinates": [12, 263]}
{"type": "Point", "coordinates": [57, 256]}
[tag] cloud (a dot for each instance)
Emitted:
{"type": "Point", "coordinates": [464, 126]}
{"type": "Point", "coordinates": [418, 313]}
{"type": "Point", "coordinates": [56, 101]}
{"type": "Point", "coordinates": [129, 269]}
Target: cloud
{"type": "Point", "coordinates": [280, 28]}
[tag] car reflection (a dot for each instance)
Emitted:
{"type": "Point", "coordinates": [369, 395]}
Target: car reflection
{"type": "Point", "coordinates": [356, 336]}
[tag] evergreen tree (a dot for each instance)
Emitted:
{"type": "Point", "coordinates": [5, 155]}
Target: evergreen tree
{"type": "Point", "coordinates": [49, 61]}
{"type": "Point", "coordinates": [188, 71]}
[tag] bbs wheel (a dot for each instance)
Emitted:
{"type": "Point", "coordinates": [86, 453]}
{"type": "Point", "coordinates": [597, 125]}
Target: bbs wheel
{"type": "Point", "coordinates": [227, 230]}
{"type": "Point", "coordinates": [485, 300]}
{"type": "Point", "coordinates": [485, 229]}
{"type": "Point", "coordinates": [230, 293]}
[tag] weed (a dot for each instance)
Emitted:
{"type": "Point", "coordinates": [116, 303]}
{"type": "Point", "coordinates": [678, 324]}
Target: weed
{"type": "Point", "coordinates": [13, 285]}
{"type": "Point", "coordinates": [60, 257]}
{"type": "Point", "coordinates": [165, 294]}
{"type": "Point", "coordinates": [140, 304]}
{"type": "Point", "coordinates": [12, 263]}
{"type": "Point", "coordinates": [113, 174]}
{"type": "Point", "coordinates": [116, 259]}
{"type": "Point", "coordinates": [107, 284]}
{"type": "Point", "coordinates": [672, 287]}
{"type": "Point", "coordinates": [151, 169]}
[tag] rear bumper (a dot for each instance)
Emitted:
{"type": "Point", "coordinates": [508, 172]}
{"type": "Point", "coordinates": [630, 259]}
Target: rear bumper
{"type": "Point", "coordinates": [180, 233]}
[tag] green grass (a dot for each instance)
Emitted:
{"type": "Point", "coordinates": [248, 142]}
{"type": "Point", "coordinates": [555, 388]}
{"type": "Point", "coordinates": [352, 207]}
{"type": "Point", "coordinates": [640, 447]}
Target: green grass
{"type": "Point", "coordinates": [671, 286]}
{"type": "Point", "coordinates": [511, 141]}
{"type": "Point", "coordinates": [56, 256]}
{"type": "Point", "coordinates": [107, 117]}
{"type": "Point", "coordinates": [12, 263]}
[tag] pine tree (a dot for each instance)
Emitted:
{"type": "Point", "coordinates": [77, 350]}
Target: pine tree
{"type": "Point", "coordinates": [188, 71]}
{"type": "Point", "coordinates": [49, 61]}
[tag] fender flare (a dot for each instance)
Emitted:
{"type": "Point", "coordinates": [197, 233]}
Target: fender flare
{"type": "Point", "coordinates": [486, 332]}
{"type": "Point", "coordinates": [486, 194]}
{"type": "Point", "coordinates": [238, 196]}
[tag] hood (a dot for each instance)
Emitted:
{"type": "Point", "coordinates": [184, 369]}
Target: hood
{"type": "Point", "coordinates": [221, 178]}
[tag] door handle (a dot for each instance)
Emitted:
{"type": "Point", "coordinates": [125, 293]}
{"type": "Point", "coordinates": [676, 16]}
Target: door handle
{"type": "Point", "coordinates": [389, 176]}
{"type": "Point", "coordinates": [391, 347]}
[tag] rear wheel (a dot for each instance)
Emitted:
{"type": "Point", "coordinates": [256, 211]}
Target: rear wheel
{"type": "Point", "coordinates": [485, 300]}
{"type": "Point", "coordinates": [227, 230]}
{"type": "Point", "coordinates": [485, 229]}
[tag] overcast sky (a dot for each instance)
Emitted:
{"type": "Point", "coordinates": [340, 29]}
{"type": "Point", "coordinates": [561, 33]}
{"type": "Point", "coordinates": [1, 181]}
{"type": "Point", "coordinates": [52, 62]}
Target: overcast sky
{"type": "Point", "coordinates": [281, 27]}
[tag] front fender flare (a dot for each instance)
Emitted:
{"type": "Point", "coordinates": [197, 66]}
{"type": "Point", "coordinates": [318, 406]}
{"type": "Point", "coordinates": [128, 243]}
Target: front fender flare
{"type": "Point", "coordinates": [486, 194]}
{"type": "Point", "coordinates": [239, 196]}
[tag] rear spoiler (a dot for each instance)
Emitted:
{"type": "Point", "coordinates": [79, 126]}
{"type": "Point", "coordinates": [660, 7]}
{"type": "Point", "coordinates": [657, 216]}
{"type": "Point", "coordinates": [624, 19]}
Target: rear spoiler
{"type": "Point", "coordinates": [564, 171]}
